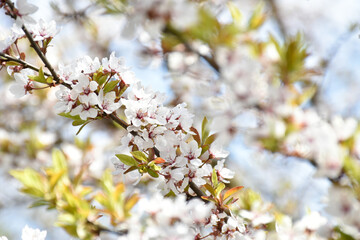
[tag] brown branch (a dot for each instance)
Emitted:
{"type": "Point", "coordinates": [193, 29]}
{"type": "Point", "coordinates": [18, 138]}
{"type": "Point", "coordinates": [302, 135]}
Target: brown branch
{"type": "Point", "coordinates": [8, 58]}
{"type": "Point", "coordinates": [210, 60]}
{"type": "Point", "coordinates": [113, 116]}
{"type": "Point", "coordinates": [38, 50]}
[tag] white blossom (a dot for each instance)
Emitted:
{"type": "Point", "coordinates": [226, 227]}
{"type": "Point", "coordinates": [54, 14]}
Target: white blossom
{"type": "Point", "coordinates": [32, 234]}
{"type": "Point", "coordinates": [107, 103]}
{"type": "Point", "coordinates": [43, 30]}
{"type": "Point", "coordinates": [22, 85]}
{"type": "Point", "coordinates": [24, 10]}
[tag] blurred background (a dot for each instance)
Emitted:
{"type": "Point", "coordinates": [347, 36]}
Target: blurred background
{"type": "Point", "coordinates": [29, 128]}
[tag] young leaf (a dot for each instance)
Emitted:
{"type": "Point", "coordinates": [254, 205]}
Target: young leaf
{"type": "Point", "coordinates": [210, 189]}
{"type": "Point", "coordinates": [82, 127]}
{"type": "Point", "coordinates": [219, 188]}
{"type": "Point", "coordinates": [78, 122]}
{"type": "Point", "coordinates": [214, 178]}
{"type": "Point", "coordinates": [67, 115]}
{"type": "Point", "coordinates": [232, 191]}
{"type": "Point", "coordinates": [110, 86]}
{"type": "Point", "coordinates": [258, 17]}
{"type": "Point", "coordinates": [130, 169]}
{"type": "Point", "coordinates": [204, 148]}
{"type": "Point", "coordinates": [40, 78]}
{"type": "Point", "coordinates": [127, 160]}
{"type": "Point", "coordinates": [204, 130]}
{"type": "Point", "coordinates": [158, 160]}
{"type": "Point", "coordinates": [131, 201]}
{"type": "Point", "coordinates": [102, 79]}
{"type": "Point", "coordinates": [210, 139]}
{"type": "Point", "coordinates": [139, 155]}
{"type": "Point", "coordinates": [59, 160]}
{"type": "Point", "coordinates": [152, 173]}
{"type": "Point", "coordinates": [235, 13]}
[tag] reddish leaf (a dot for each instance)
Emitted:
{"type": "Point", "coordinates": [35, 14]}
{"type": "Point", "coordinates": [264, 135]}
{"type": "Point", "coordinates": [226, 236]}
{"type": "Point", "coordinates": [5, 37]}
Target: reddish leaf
{"type": "Point", "coordinates": [232, 191]}
{"type": "Point", "coordinates": [159, 160]}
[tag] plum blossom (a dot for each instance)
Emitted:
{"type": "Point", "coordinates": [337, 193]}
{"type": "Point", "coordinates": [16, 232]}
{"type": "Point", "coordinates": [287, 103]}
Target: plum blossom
{"type": "Point", "coordinates": [107, 102]}
{"type": "Point", "coordinates": [344, 128]}
{"type": "Point", "coordinates": [43, 30]}
{"type": "Point", "coordinates": [113, 64]}
{"type": "Point", "coordinates": [85, 110]}
{"type": "Point", "coordinates": [223, 172]}
{"type": "Point", "coordinates": [86, 89]}
{"type": "Point", "coordinates": [9, 37]}
{"type": "Point", "coordinates": [167, 218]}
{"type": "Point", "coordinates": [67, 100]}
{"type": "Point", "coordinates": [259, 214]}
{"type": "Point", "coordinates": [24, 10]}
{"type": "Point", "coordinates": [305, 228]}
{"type": "Point", "coordinates": [32, 234]}
{"type": "Point", "coordinates": [86, 65]}
{"type": "Point", "coordinates": [345, 209]}
{"type": "Point", "coordinates": [23, 84]}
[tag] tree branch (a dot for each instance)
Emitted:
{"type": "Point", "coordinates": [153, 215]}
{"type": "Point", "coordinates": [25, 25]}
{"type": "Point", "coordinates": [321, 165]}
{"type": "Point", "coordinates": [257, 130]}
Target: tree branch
{"type": "Point", "coordinates": [7, 58]}
{"type": "Point", "coordinates": [210, 60]}
{"type": "Point", "coordinates": [113, 116]}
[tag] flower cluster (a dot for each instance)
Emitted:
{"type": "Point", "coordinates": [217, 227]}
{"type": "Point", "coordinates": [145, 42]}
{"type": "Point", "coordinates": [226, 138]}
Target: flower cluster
{"type": "Point", "coordinates": [168, 218]}
{"type": "Point", "coordinates": [170, 131]}
{"type": "Point", "coordinates": [30, 234]}
{"type": "Point", "coordinates": [95, 87]}
{"type": "Point", "coordinates": [41, 30]}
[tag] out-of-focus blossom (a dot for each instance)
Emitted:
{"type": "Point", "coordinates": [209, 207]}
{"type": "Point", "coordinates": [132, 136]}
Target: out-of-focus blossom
{"type": "Point", "coordinates": [32, 234]}
{"type": "Point", "coordinates": [24, 11]}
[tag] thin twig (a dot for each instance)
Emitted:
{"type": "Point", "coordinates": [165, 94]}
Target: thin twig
{"type": "Point", "coordinates": [180, 37]}
{"type": "Point", "coordinates": [8, 58]}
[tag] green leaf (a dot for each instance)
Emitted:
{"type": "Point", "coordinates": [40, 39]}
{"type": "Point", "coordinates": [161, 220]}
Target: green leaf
{"type": "Point", "coordinates": [39, 78]}
{"type": "Point", "coordinates": [204, 130]}
{"type": "Point", "coordinates": [235, 13]}
{"type": "Point", "coordinates": [230, 201]}
{"type": "Point", "coordinates": [67, 115]}
{"type": "Point", "coordinates": [130, 169]}
{"type": "Point", "coordinates": [257, 18]}
{"type": "Point", "coordinates": [214, 178]}
{"type": "Point", "coordinates": [32, 181]}
{"type": "Point", "coordinates": [210, 139]}
{"type": "Point", "coordinates": [59, 160]}
{"type": "Point", "coordinates": [82, 127]}
{"type": "Point", "coordinates": [152, 173]}
{"type": "Point", "coordinates": [219, 188]}
{"type": "Point", "coordinates": [110, 86]}
{"type": "Point", "coordinates": [139, 155]}
{"type": "Point", "coordinates": [210, 189]}
{"type": "Point", "coordinates": [127, 160]}
{"type": "Point", "coordinates": [49, 80]}
{"type": "Point", "coordinates": [39, 203]}
{"type": "Point", "coordinates": [130, 202]}
{"type": "Point", "coordinates": [78, 122]}
{"type": "Point", "coordinates": [102, 79]}
{"type": "Point", "coordinates": [204, 148]}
